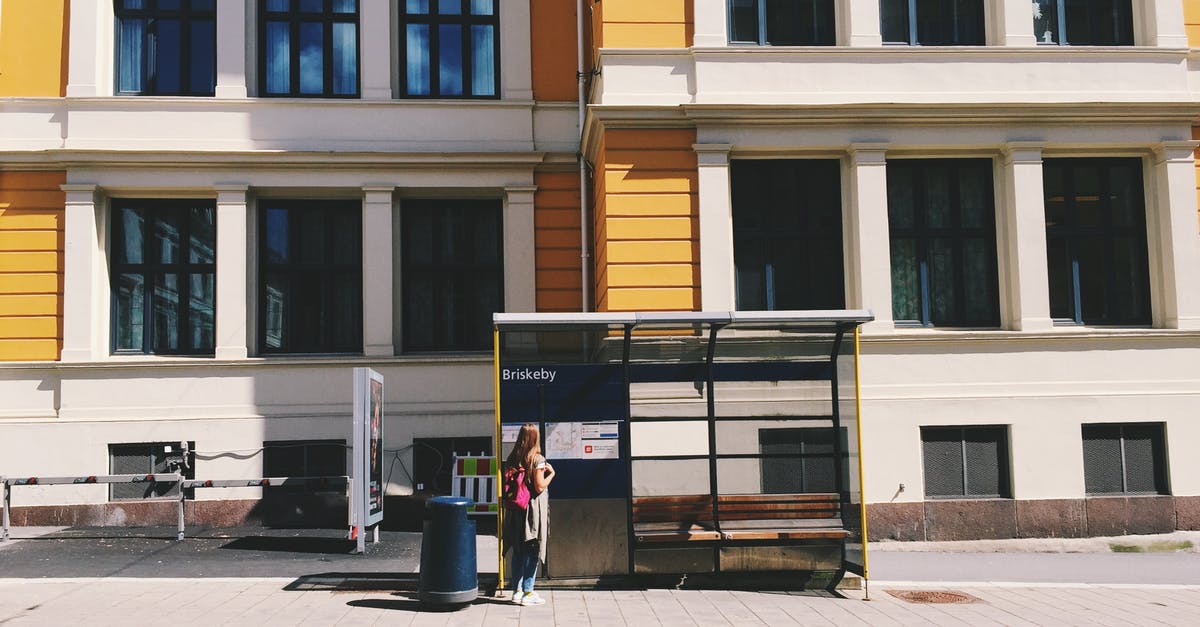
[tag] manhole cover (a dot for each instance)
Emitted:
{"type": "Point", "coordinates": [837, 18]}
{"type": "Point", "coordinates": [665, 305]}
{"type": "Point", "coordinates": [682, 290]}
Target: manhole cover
{"type": "Point", "coordinates": [933, 596]}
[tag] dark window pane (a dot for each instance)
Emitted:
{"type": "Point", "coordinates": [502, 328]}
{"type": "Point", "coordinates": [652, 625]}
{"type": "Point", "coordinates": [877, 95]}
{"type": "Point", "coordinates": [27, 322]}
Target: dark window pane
{"type": "Point", "coordinates": [311, 6]}
{"type": "Point", "coordinates": [418, 59]}
{"type": "Point", "coordinates": [788, 234]}
{"type": "Point", "coordinates": [312, 58]}
{"type": "Point", "coordinates": [452, 264]}
{"type": "Point", "coordinates": [942, 222]}
{"type": "Point", "coordinates": [345, 59]}
{"type": "Point", "coordinates": [202, 57]}
{"type": "Point", "coordinates": [979, 296]}
{"type": "Point", "coordinates": [182, 242]}
{"type": "Point", "coordinates": [783, 22]}
{"type": "Point", "coordinates": [131, 247]}
{"type": "Point", "coordinates": [168, 59]}
{"type": "Point", "coordinates": [1045, 21]}
{"type": "Point", "coordinates": [452, 52]}
{"type": "Point", "coordinates": [166, 312]}
{"type": "Point", "coordinates": [450, 67]}
{"type": "Point", "coordinates": [483, 7]}
{"type": "Point", "coordinates": [129, 311]}
{"type": "Point", "coordinates": [893, 16]}
{"type": "Point", "coordinates": [943, 283]}
{"type": "Point", "coordinates": [1096, 236]}
{"type": "Point", "coordinates": [131, 55]}
{"type": "Point", "coordinates": [278, 58]}
{"type": "Point", "coordinates": [743, 19]}
{"type": "Point", "coordinates": [975, 198]}
{"type": "Point", "coordinates": [202, 235]}
{"type": "Point", "coordinates": [275, 306]}
{"type": "Point", "coordinates": [1062, 281]}
{"type": "Point", "coordinates": [168, 236]}
{"type": "Point", "coordinates": [312, 298]}
{"type": "Point", "coordinates": [906, 283]}
{"type": "Point", "coordinates": [483, 62]}
{"type": "Point", "coordinates": [201, 310]}
{"type": "Point", "coordinates": [279, 5]}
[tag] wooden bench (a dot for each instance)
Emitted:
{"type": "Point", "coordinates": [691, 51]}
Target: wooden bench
{"type": "Point", "coordinates": [739, 517]}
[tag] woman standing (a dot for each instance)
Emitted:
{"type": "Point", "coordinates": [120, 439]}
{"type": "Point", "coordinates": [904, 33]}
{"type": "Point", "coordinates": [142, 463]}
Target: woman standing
{"type": "Point", "coordinates": [527, 534]}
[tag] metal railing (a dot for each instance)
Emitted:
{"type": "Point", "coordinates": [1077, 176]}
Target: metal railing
{"type": "Point", "coordinates": [184, 485]}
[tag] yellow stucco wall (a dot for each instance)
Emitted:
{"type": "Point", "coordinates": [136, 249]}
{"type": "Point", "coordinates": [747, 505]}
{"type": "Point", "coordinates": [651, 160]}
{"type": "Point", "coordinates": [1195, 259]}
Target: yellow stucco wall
{"type": "Point", "coordinates": [1191, 20]}
{"type": "Point", "coordinates": [642, 24]}
{"type": "Point", "coordinates": [31, 265]}
{"type": "Point", "coordinates": [647, 241]}
{"type": "Point", "coordinates": [33, 51]}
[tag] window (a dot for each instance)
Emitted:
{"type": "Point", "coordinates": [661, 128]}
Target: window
{"type": "Point", "coordinates": [166, 47]}
{"type": "Point", "coordinates": [449, 48]}
{"type": "Point", "coordinates": [453, 273]}
{"type": "Point", "coordinates": [310, 277]}
{"type": "Point", "coordinates": [305, 458]}
{"type": "Point", "coordinates": [781, 22]}
{"type": "Point", "coordinates": [308, 48]}
{"type": "Point", "coordinates": [1096, 241]}
{"type": "Point", "coordinates": [149, 458]}
{"type": "Point", "coordinates": [787, 234]}
{"type": "Point", "coordinates": [1124, 458]}
{"type": "Point", "coordinates": [799, 460]}
{"type": "Point", "coordinates": [932, 22]}
{"type": "Point", "coordinates": [965, 462]}
{"type": "Point", "coordinates": [1083, 22]}
{"type": "Point", "coordinates": [163, 261]}
{"type": "Point", "coordinates": [943, 239]}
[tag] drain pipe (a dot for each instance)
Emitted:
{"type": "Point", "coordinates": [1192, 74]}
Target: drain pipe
{"type": "Point", "coordinates": [581, 77]}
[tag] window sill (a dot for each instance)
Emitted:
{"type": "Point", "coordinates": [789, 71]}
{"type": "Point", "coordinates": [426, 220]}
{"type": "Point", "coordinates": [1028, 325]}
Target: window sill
{"type": "Point", "coordinates": [1068, 332]}
{"type": "Point", "coordinates": [118, 362]}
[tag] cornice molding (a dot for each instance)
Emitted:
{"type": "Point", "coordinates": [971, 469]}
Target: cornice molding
{"type": "Point", "coordinates": [268, 159]}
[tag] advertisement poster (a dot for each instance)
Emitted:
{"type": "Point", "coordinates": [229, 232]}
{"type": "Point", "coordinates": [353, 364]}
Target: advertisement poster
{"type": "Point", "coordinates": [367, 453]}
{"type": "Point", "coordinates": [583, 440]}
{"type": "Point", "coordinates": [375, 467]}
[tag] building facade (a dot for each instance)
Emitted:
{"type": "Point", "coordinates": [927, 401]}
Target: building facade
{"type": "Point", "coordinates": [211, 210]}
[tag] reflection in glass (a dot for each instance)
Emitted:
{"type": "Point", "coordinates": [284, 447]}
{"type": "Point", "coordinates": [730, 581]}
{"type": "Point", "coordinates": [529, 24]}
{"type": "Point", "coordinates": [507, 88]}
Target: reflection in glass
{"type": "Point", "coordinates": [312, 60]}
{"type": "Point", "coordinates": [278, 61]}
{"type": "Point", "coordinates": [165, 308]}
{"type": "Point", "coordinates": [130, 309]}
{"type": "Point", "coordinates": [450, 60]}
{"type": "Point", "coordinates": [417, 52]}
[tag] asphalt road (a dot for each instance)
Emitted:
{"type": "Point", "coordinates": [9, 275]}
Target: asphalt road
{"type": "Point", "coordinates": [258, 552]}
{"type": "Point", "coordinates": [1094, 568]}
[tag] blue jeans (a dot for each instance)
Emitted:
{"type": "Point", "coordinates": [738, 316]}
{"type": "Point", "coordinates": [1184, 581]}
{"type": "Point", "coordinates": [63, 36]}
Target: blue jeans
{"type": "Point", "coordinates": [525, 566]}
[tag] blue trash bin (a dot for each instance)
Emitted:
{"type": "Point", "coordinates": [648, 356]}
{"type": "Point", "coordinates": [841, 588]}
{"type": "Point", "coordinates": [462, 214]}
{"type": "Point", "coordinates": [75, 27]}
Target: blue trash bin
{"type": "Point", "coordinates": [448, 570]}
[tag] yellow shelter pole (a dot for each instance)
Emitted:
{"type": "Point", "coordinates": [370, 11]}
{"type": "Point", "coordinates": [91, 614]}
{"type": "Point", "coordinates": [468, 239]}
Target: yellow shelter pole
{"type": "Point", "coordinates": [499, 446]}
{"type": "Point", "coordinates": [862, 485]}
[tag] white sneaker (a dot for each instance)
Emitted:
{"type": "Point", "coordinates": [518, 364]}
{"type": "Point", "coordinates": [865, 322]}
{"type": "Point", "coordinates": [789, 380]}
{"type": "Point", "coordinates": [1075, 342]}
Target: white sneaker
{"type": "Point", "coordinates": [532, 598]}
{"type": "Point", "coordinates": [517, 596]}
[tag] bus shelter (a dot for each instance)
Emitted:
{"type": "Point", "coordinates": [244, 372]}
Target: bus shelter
{"type": "Point", "coordinates": [691, 444]}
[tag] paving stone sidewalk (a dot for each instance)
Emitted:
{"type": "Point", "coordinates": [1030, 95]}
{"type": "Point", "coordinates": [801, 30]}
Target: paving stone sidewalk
{"type": "Point", "coordinates": [242, 601]}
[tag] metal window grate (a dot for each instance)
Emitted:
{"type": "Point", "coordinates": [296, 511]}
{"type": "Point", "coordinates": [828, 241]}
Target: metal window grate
{"type": "Point", "coordinates": [146, 458]}
{"type": "Point", "coordinates": [1124, 458]}
{"type": "Point", "coordinates": [812, 468]}
{"type": "Point", "coordinates": [965, 461]}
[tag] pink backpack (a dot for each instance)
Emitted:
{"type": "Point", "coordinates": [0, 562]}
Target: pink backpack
{"type": "Point", "coordinates": [515, 489]}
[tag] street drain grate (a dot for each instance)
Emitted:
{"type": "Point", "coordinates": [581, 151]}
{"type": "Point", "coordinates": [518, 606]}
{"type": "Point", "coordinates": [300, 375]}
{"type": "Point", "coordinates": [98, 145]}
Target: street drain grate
{"type": "Point", "coordinates": [933, 596]}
